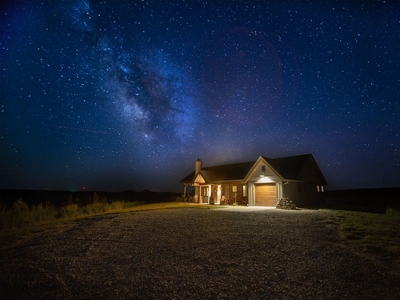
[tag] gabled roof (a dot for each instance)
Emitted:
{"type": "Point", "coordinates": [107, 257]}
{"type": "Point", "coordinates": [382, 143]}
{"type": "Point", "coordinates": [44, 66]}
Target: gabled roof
{"type": "Point", "coordinates": [288, 168]}
{"type": "Point", "coordinates": [292, 167]}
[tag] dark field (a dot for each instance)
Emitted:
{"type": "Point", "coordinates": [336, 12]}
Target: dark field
{"type": "Point", "coordinates": [194, 254]}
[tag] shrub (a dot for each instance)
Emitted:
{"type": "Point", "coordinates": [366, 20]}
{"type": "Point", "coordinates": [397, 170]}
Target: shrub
{"type": "Point", "coordinates": [393, 213]}
{"type": "Point", "coordinates": [116, 205]}
{"type": "Point", "coordinates": [180, 198]}
{"type": "Point", "coordinates": [69, 211]}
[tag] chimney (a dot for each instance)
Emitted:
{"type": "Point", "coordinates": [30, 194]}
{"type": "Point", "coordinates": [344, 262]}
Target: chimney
{"type": "Point", "coordinates": [198, 166]}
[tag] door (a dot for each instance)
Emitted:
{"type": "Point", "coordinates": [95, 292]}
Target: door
{"type": "Point", "coordinates": [265, 194]}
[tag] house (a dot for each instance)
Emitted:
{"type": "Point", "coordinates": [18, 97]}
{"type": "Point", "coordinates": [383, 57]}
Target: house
{"type": "Point", "coordinates": [258, 183]}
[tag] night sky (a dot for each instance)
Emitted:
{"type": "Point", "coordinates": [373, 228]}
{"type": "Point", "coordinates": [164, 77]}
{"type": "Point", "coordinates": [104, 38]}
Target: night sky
{"type": "Point", "coordinates": [126, 95]}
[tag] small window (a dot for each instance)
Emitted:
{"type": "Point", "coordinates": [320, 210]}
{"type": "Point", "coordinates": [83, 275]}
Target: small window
{"type": "Point", "coordinates": [322, 189]}
{"type": "Point", "coordinates": [234, 188]}
{"type": "Point", "coordinates": [205, 191]}
{"type": "Point", "coordinates": [318, 188]}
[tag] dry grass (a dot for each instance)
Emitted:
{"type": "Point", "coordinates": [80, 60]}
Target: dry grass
{"type": "Point", "coordinates": [21, 221]}
{"type": "Point", "coordinates": [376, 235]}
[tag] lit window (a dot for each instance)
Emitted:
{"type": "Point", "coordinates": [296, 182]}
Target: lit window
{"type": "Point", "coordinates": [322, 189]}
{"type": "Point", "coordinates": [244, 191]}
{"type": "Point", "coordinates": [318, 188]}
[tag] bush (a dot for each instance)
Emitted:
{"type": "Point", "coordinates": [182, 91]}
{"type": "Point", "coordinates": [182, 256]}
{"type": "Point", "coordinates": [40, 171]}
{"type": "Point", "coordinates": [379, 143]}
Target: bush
{"type": "Point", "coordinates": [69, 211]}
{"type": "Point", "coordinates": [180, 198]}
{"type": "Point", "coordinates": [393, 213]}
{"type": "Point", "coordinates": [43, 214]}
{"type": "Point", "coordinates": [115, 205]}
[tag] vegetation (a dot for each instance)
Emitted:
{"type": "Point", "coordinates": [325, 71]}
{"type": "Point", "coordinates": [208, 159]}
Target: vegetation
{"type": "Point", "coordinates": [373, 234]}
{"type": "Point", "coordinates": [20, 215]}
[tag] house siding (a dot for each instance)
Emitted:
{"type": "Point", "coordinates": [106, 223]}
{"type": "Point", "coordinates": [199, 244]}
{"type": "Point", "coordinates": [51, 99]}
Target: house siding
{"type": "Point", "coordinates": [302, 194]}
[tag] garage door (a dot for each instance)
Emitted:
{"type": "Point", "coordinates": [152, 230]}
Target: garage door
{"type": "Point", "coordinates": [265, 194]}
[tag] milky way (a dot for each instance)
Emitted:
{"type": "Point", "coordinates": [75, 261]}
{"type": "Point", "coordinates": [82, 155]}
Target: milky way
{"type": "Point", "coordinates": [127, 95]}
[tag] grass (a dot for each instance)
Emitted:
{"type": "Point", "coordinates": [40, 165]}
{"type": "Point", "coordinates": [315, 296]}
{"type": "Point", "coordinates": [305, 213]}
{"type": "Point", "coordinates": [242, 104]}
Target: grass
{"type": "Point", "coordinates": [22, 221]}
{"type": "Point", "coordinates": [169, 205]}
{"type": "Point", "coordinates": [375, 235]}
{"type": "Point", "coordinates": [21, 216]}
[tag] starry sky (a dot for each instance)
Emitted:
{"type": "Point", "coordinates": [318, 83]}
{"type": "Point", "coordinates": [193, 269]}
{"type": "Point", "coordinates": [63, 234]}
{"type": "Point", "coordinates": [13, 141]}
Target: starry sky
{"type": "Point", "coordinates": [126, 95]}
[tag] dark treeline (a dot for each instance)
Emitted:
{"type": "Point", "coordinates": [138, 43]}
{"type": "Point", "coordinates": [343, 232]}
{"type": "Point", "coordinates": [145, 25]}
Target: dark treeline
{"type": "Point", "coordinates": [60, 198]}
{"type": "Point", "coordinates": [373, 200]}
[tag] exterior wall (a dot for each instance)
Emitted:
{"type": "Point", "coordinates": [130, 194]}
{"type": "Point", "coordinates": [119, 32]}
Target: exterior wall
{"type": "Point", "coordinates": [302, 194]}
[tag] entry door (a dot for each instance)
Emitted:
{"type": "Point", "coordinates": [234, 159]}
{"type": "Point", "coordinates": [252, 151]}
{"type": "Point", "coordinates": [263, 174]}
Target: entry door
{"type": "Point", "coordinates": [265, 194]}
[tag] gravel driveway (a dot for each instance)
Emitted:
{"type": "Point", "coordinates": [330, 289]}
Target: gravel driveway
{"type": "Point", "coordinates": [193, 254]}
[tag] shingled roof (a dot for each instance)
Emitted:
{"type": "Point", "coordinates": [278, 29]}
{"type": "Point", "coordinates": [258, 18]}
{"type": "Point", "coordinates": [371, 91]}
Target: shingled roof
{"type": "Point", "coordinates": [221, 173]}
{"type": "Point", "coordinates": [289, 168]}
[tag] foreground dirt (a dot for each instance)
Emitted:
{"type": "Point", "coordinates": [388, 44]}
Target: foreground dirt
{"type": "Point", "coordinates": [193, 254]}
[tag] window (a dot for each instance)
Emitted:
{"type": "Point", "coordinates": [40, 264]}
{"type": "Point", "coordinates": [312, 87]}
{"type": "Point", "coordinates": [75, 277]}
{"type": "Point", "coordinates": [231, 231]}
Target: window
{"type": "Point", "coordinates": [204, 191]}
{"type": "Point", "coordinates": [244, 191]}
{"type": "Point", "coordinates": [318, 188]}
{"type": "Point", "coordinates": [234, 188]}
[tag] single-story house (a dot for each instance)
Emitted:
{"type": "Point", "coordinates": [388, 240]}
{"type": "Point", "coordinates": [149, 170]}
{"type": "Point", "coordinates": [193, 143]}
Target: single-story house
{"type": "Point", "coordinates": [258, 183]}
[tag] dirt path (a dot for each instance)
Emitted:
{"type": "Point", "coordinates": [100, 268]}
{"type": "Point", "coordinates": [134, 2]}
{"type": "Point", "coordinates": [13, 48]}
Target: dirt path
{"type": "Point", "coordinates": [193, 254]}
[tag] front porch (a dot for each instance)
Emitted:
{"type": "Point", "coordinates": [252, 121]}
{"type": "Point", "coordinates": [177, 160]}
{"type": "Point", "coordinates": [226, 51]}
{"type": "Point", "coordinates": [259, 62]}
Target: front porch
{"type": "Point", "coordinates": [220, 194]}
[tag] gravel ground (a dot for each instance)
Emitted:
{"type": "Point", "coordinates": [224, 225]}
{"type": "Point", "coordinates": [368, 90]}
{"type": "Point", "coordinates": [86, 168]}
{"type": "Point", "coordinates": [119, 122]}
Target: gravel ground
{"type": "Point", "coordinates": [193, 254]}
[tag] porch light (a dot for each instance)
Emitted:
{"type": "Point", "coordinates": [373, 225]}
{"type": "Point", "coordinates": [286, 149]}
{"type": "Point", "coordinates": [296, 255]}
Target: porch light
{"type": "Point", "coordinates": [265, 179]}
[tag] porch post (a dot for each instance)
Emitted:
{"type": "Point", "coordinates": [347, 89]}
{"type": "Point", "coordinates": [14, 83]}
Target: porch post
{"type": "Point", "coordinates": [200, 196]}
{"type": "Point", "coordinates": [197, 194]}
{"type": "Point", "coordinates": [184, 191]}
